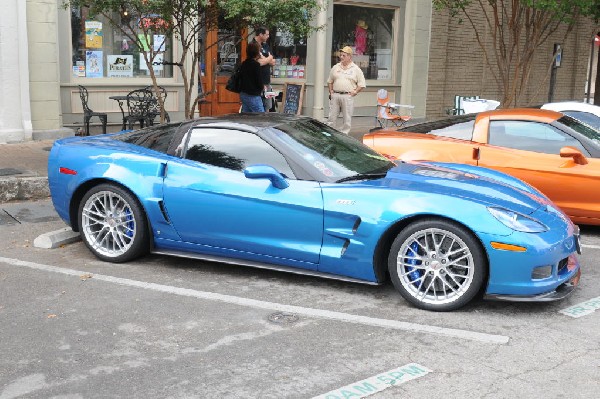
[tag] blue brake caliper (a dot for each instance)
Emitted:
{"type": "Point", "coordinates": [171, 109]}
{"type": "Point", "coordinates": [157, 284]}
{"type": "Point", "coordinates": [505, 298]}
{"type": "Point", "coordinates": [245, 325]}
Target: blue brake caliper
{"type": "Point", "coordinates": [129, 220]}
{"type": "Point", "coordinates": [414, 274]}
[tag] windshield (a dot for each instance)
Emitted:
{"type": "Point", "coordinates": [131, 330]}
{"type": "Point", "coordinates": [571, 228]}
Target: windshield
{"type": "Point", "coordinates": [587, 131]}
{"type": "Point", "coordinates": [585, 117]}
{"type": "Point", "coordinates": [332, 154]}
{"type": "Point", "coordinates": [457, 127]}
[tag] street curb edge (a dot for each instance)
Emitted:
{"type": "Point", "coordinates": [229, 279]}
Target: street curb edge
{"type": "Point", "coordinates": [23, 188]}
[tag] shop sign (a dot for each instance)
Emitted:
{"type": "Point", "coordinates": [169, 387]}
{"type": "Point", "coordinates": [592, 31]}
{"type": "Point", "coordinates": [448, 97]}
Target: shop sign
{"type": "Point", "coordinates": [119, 66]}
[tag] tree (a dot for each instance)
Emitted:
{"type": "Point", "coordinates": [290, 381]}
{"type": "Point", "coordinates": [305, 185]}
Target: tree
{"type": "Point", "coordinates": [517, 28]}
{"type": "Point", "coordinates": [186, 21]}
{"type": "Point", "coordinates": [597, 85]}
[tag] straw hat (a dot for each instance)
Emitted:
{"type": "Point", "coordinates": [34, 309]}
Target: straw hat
{"type": "Point", "coordinates": [347, 50]}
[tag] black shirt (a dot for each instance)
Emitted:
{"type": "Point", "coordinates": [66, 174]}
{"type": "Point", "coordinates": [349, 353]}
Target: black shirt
{"type": "Point", "coordinates": [265, 50]}
{"type": "Point", "coordinates": [251, 74]}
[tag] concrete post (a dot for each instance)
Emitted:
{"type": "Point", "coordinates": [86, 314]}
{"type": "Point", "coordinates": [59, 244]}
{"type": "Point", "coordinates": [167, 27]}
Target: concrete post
{"type": "Point", "coordinates": [15, 109]}
{"type": "Point", "coordinates": [321, 43]}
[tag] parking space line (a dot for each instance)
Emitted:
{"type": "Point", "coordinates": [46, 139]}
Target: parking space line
{"type": "Point", "coordinates": [253, 303]}
{"type": "Point", "coordinates": [378, 383]}
{"type": "Point", "coordinates": [590, 246]}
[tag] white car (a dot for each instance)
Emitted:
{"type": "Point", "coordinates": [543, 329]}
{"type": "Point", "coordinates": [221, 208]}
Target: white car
{"type": "Point", "coordinates": [586, 113]}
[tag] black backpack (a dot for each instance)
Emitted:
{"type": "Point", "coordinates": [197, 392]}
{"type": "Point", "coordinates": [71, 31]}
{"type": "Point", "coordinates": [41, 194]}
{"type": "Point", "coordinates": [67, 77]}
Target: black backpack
{"type": "Point", "coordinates": [234, 83]}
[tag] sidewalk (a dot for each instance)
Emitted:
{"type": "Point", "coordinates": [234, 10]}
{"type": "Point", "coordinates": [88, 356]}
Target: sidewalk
{"type": "Point", "coordinates": [23, 166]}
{"type": "Point", "coordinates": [23, 170]}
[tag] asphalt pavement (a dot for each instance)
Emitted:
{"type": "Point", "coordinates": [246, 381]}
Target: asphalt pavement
{"type": "Point", "coordinates": [72, 326]}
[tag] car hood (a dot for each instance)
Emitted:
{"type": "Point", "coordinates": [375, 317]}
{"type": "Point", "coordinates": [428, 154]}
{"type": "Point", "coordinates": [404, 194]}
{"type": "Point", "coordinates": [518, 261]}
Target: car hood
{"type": "Point", "coordinates": [478, 184]}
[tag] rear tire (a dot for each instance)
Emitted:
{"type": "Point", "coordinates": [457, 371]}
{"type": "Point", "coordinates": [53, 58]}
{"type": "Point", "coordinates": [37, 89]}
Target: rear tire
{"type": "Point", "coordinates": [112, 224]}
{"type": "Point", "coordinates": [437, 265]}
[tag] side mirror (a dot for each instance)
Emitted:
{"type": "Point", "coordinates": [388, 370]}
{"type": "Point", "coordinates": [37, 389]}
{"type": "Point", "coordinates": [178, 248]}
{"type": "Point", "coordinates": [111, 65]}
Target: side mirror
{"type": "Point", "coordinates": [266, 172]}
{"type": "Point", "coordinates": [572, 152]}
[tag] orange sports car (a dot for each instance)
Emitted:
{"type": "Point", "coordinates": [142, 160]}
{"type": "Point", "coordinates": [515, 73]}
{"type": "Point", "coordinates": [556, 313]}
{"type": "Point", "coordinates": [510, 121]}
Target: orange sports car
{"type": "Point", "coordinates": [553, 152]}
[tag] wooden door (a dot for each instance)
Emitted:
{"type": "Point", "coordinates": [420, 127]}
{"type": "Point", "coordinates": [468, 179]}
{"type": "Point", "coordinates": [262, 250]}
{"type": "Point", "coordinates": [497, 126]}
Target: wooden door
{"type": "Point", "coordinates": [221, 58]}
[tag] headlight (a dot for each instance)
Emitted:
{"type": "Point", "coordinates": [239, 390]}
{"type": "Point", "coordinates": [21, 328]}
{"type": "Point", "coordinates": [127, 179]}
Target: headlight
{"type": "Point", "coordinates": [516, 221]}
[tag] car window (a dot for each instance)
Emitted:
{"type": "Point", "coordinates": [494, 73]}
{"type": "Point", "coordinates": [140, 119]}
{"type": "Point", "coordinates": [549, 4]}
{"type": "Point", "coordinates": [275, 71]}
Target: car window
{"type": "Point", "coordinates": [585, 117]}
{"type": "Point", "coordinates": [531, 136]}
{"type": "Point", "coordinates": [233, 149]}
{"type": "Point", "coordinates": [157, 137]}
{"type": "Point", "coordinates": [462, 131]}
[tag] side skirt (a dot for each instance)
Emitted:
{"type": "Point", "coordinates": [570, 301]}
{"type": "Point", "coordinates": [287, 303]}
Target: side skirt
{"type": "Point", "coordinates": [259, 265]}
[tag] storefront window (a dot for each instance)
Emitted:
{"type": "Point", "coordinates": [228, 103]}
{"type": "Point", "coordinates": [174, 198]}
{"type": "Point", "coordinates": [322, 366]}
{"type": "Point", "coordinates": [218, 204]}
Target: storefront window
{"type": "Point", "coordinates": [289, 53]}
{"type": "Point", "coordinates": [370, 32]}
{"type": "Point", "coordinates": [102, 51]}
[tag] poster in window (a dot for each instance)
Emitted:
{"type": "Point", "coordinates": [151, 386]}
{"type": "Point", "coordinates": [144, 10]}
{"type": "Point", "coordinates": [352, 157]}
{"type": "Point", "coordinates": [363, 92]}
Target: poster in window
{"type": "Point", "coordinates": [79, 69]}
{"type": "Point", "coordinates": [159, 43]}
{"type": "Point", "coordinates": [93, 64]}
{"type": "Point", "coordinates": [143, 39]}
{"type": "Point", "coordinates": [119, 66]}
{"type": "Point", "coordinates": [93, 34]}
{"type": "Point", "coordinates": [157, 62]}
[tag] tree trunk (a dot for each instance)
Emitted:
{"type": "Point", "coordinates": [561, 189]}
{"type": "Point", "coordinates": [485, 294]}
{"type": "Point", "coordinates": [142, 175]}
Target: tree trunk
{"type": "Point", "coordinates": [597, 85]}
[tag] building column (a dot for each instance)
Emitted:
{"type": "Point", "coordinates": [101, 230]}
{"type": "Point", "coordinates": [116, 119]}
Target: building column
{"type": "Point", "coordinates": [321, 45]}
{"type": "Point", "coordinates": [415, 58]}
{"type": "Point", "coordinates": [15, 109]}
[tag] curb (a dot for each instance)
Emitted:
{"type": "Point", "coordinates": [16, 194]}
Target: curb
{"type": "Point", "coordinates": [55, 239]}
{"type": "Point", "coordinates": [23, 188]}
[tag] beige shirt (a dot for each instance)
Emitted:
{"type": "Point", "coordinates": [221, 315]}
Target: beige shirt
{"type": "Point", "coordinates": [346, 80]}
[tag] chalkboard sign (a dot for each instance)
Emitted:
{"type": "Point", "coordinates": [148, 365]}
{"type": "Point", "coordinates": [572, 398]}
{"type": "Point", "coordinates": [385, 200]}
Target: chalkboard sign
{"type": "Point", "coordinates": [292, 98]}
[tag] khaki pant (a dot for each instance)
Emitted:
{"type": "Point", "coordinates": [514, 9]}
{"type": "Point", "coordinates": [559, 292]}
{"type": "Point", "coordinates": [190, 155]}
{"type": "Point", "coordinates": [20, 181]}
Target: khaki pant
{"type": "Point", "coordinates": [344, 103]}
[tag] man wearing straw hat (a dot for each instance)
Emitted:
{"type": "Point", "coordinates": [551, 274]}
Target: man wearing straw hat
{"type": "Point", "coordinates": [345, 81]}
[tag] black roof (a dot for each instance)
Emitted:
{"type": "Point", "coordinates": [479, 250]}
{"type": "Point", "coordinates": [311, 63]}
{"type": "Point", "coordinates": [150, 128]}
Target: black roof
{"type": "Point", "coordinates": [426, 127]}
{"type": "Point", "coordinates": [257, 120]}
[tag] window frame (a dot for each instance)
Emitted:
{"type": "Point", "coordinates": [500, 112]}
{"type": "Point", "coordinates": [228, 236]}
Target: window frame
{"type": "Point", "coordinates": [143, 80]}
{"type": "Point", "coordinates": [397, 32]}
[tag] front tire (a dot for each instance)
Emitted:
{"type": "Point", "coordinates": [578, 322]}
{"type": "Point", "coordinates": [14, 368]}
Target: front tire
{"type": "Point", "coordinates": [112, 224]}
{"type": "Point", "coordinates": [437, 265]}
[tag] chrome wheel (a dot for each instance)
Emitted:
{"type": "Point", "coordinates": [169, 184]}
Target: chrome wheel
{"type": "Point", "coordinates": [437, 265]}
{"type": "Point", "coordinates": [108, 224]}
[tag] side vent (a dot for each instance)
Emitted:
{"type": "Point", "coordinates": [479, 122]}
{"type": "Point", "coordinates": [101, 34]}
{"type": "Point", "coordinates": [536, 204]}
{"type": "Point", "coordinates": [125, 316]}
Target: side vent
{"type": "Point", "coordinates": [161, 205]}
{"type": "Point", "coordinates": [345, 247]}
{"type": "Point", "coordinates": [356, 224]}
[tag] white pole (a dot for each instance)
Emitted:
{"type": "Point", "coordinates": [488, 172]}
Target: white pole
{"type": "Point", "coordinates": [321, 43]}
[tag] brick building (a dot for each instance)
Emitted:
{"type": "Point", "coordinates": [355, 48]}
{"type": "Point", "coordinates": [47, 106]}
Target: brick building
{"type": "Point", "coordinates": [457, 65]}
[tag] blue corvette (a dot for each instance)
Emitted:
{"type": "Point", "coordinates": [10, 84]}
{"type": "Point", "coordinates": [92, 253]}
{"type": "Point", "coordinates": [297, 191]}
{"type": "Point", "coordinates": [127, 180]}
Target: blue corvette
{"type": "Point", "coordinates": [289, 193]}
